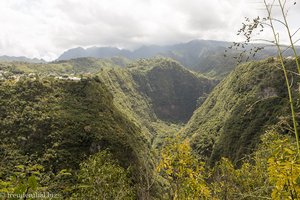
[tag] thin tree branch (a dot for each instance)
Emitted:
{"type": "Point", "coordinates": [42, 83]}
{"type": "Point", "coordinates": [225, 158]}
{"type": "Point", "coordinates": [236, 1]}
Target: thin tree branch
{"type": "Point", "coordinates": [279, 21]}
{"type": "Point", "coordinates": [295, 32]}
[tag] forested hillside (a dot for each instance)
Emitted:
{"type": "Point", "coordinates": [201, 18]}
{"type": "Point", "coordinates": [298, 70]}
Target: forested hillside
{"type": "Point", "coordinates": [159, 94]}
{"type": "Point", "coordinates": [68, 124]}
{"type": "Point", "coordinates": [57, 124]}
{"type": "Point", "coordinates": [239, 110]}
{"type": "Point", "coordinates": [73, 67]}
{"type": "Point", "coordinates": [125, 114]}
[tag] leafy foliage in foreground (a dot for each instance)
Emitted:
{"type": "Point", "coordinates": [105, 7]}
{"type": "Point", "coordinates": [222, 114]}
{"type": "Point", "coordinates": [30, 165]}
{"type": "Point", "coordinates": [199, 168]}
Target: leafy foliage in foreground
{"type": "Point", "coordinates": [272, 172]}
{"type": "Point", "coordinates": [183, 171]}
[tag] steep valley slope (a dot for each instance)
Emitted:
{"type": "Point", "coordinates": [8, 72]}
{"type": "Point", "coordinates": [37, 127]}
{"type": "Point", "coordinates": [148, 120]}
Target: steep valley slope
{"type": "Point", "coordinates": [159, 95]}
{"type": "Point", "coordinates": [239, 109]}
{"type": "Point", "coordinates": [59, 123]}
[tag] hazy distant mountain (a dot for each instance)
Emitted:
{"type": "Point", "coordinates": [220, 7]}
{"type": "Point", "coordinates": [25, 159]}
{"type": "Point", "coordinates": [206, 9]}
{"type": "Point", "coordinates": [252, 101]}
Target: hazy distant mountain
{"type": "Point", "coordinates": [195, 47]}
{"type": "Point", "coordinates": [97, 52]}
{"type": "Point", "coordinates": [20, 59]}
{"type": "Point", "coordinates": [199, 55]}
{"type": "Point", "coordinates": [205, 56]}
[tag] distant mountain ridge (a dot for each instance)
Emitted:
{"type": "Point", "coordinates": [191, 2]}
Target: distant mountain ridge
{"type": "Point", "coordinates": [144, 51]}
{"type": "Point", "coordinates": [21, 59]}
{"type": "Point", "coordinates": [96, 52]}
{"type": "Point", "coordinates": [205, 56]}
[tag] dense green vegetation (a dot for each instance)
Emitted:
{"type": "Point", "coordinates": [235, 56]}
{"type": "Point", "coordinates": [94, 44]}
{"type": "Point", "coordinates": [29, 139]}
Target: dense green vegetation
{"type": "Point", "coordinates": [271, 172]}
{"type": "Point", "coordinates": [174, 91]}
{"type": "Point", "coordinates": [102, 176]}
{"type": "Point", "coordinates": [240, 109]}
{"type": "Point", "coordinates": [69, 67]}
{"type": "Point", "coordinates": [112, 131]}
{"type": "Point", "coordinates": [157, 94]}
{"type": "Point", "coordinates": [58, 124]}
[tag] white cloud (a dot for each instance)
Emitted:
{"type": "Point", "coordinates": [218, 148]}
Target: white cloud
{"type": "Point", "coordinates": [44, 28]}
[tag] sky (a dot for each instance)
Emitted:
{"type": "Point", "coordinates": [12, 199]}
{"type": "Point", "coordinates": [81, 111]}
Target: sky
{"type": "Point", "coordinates": [46, 28]}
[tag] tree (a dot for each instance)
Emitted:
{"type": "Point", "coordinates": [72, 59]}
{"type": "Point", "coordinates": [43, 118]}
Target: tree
{"type": "Point", "coordinates": [272, 172]}
{"type": "Point", "coordinates": [23, 182]}
{"type": "Point", "coordinates": [183, 171]}
{"type": "Point", "coordinates": [284, 168]}
{"type": "Point", "coordinates": [103, 178]}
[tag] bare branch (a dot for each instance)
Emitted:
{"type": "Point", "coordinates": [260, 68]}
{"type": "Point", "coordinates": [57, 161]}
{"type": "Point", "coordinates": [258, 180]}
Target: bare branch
{"type": "Point", "coordinates": [297, 40]}
{"type": "Point", "coordinates": [284, 3]}
{"type": "Point", "coordinates": [264, 23]}
{"type": "Point", "coordinates": [263, 40]}
{"type": "Point", "coordinates": [295, 73]}
{"type": "Point", "coordinates": [279, 21]}
{"type": "Point", "coordinates": [290, 46]}
{"type": "Point", "coordinates": [295, 32]}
